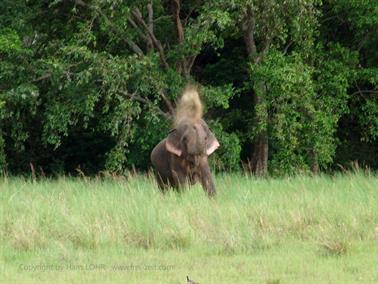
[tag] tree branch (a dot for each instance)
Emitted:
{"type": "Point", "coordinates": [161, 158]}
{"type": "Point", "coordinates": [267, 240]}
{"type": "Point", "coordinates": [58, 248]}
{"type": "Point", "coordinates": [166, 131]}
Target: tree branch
{"type": "Point", "coordinates": [176, 7]}
{"type": "Point", "coordinates": [167, 102]}
{"type": "Point", "coordinates": [150, 45]}
{"type": "Point", "coordinates": [137, 98]}
{"type": "Point", "coordinates": [183, 65]}
{"type": "Point", "coordinates": [362, 92]}
{"type": "Point", "coordinates": [45, 76]}
{"type": "Point", "coordinates": [135, 26]}
{"type": "Point", "coordinates": [133, 46]}
{"type": "Point", "coordinates": [138, 17]}
{"type": "Point", "coordinates": [80, 3]}
{"type": "Point", "coordinates": [287, 47]}
{"type": "Point", "coordinates": [191, 61]}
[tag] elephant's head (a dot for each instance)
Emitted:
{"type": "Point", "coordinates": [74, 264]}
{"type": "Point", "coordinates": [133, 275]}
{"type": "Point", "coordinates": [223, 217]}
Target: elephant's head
{"type": "Point", "coordinates": [190, 140]}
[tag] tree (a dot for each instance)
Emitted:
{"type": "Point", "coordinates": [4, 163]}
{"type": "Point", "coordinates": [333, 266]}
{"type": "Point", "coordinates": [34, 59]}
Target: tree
{"type": "Point", "coordinates": [349, 28]}
{"type": "Point", "coordinates": [267, 26]}
{"type": "Point", "coordinates": [91, 85]}
{"type": "Point", "coordinates": [87, 71]}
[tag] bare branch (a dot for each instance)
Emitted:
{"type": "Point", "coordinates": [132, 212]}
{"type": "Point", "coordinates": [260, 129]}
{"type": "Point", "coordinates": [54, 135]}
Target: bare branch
{"type": "Point", "coordinates": [184, 65]}
{"type": "Point", "coordinates": [362, 92]}
{"type": "Point", "coordinates": [135, 26]}
{"type": "Point", "coordinates": [191, 61]}
{"type": "Point", "coordinates": [167, 102]}
{"type": "Point", "coordinates": [186, 19]}
{"type": "Point", "coordinates": [48, 74]}
{"type": "Point", "coordinates": [137, 98]}
{"type": "Point", "coordinates": [161, 18]}
{"type": "Point", "coordinates": [138, 17]}
{"type": "Point", "coordinates": [287, 47]}
{"type": "Point", "coordinates": [176, 7]}
{"type": "Point", "coordinates": [80, 3]}
{"type": "Point", "coordinates": [331, 18]}
{"type": "Point", "coordinates": [133, 46]}
{"type": "Point", "coordinates": [150, 45]}
{"type": "Point", "coordinates": [45, 76]}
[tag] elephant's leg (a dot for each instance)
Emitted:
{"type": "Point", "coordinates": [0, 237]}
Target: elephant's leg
{"type": "Point", "coordinates": [163, 182]}
{"type": "Point", "coordinates": [179, 178]}
{"type": "Point", "coordinates": [206, 179]}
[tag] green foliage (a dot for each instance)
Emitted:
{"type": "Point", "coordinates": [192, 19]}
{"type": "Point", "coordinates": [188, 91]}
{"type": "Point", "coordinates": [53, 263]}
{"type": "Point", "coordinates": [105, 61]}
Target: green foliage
{"type": "Point", "coordinates": [150, 131]}
{"type": "Point", "coordinates": [335, 71]}
{"type": "Point", "coordinates": [370, 118]}
{"type": "Point", "coordinates": [218, 96]}
{"type": "Point", "coordinates": [9, 41]}
{"type": "Point", "coordinates": [303, 104]}
{"type": "Point", "coordinates": [289, 101]}
{"type": "Point", "coordinates": [227, 157]}
{"type": "Point", "coordinates": [90, 84]}
{"type": "Point", "coordinates": [367, 101]}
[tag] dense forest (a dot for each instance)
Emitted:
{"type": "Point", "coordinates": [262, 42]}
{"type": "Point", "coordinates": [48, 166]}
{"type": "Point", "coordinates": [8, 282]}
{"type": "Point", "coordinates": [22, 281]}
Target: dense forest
{"type": "Point", "coordinates": [289, 85]}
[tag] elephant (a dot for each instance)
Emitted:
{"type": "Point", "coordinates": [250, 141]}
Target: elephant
{"type": "Point", "coordinates": [182, 157]}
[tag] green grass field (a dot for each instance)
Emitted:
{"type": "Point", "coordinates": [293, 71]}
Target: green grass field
{"type": "Point", "coordinates": [290, 230]}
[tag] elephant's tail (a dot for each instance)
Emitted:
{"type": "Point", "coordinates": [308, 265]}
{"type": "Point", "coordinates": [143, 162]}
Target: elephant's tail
{"type": "Point", "coordinates": [189, 107]}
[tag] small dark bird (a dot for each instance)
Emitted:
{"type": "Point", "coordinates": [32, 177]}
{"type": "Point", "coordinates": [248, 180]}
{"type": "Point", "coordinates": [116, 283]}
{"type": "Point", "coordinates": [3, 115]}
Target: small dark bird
{"type": "Point", "coordinates": [190, 281]}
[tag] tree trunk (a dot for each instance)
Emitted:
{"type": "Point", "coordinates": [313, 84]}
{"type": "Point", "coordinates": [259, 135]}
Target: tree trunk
{"type": "Point", "coordinates": [314, 162]}
{"type": "Point", "coordinates": [259, 159]}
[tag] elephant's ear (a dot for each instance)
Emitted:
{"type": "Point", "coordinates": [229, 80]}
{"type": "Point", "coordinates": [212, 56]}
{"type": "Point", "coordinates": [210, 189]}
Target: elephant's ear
{"type": "Point", "coordinates": [212, 142]}
{"type": "Point", "coordinates": [172, 143]}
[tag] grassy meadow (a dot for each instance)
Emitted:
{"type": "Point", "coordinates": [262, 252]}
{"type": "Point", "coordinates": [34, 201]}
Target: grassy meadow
{"type": "Point", "coordinates": [279, 230]}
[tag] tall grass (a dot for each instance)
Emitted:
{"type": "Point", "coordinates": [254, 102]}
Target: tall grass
{"type": "Point", "coordinates": [248, 214]}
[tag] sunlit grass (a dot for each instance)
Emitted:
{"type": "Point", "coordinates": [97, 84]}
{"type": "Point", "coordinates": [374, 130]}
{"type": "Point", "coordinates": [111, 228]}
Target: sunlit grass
{"type": "Point", "coordinates": [298, 229]}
